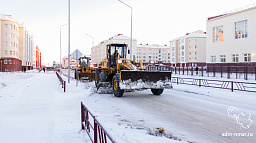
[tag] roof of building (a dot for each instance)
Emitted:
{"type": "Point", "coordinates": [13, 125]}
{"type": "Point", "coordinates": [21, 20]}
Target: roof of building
{"type": "Point", "coordinates": [152, 46]}
{"type": "Point", "coordinates": [198, 33]}
{"type": "Point", "coordinates": [234, 11]}
{"type": "Point", "coordinates": [77, 55]}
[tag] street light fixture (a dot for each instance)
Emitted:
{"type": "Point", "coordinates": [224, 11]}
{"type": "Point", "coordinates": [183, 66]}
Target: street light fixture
{"type": "Point", "coordinates": [60, 42]}
{"type": "Point", "coordinates": [131, 27]}
{"type": "Point", "coordinates": [92, 39]}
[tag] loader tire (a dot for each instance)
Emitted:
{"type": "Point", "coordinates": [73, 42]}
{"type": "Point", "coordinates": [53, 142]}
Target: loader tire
{"type": "Point", "coordinates": [97, 75]}
{"type": "Point", "coordinates": [102, 77]}
{"type": "Point", "coordinates": [116, 86]}
{"type": "Point", "coordinates": [157, 91]}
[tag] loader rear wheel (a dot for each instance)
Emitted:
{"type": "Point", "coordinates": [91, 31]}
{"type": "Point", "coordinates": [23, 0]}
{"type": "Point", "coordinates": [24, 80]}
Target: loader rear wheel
{"type": "Point", "coordinates": [116, 87]}
{"type": "Point", "coordinates": [157, 91]}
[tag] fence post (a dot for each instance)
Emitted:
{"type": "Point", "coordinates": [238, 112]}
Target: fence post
{"type": "Point", "coordinates": [177, 80]}
{"type": "Point", "coordinates": [95, 131]}
{"type": "Point", "coordinates": [232, 88]}
{"type": "Point", "coordinates": [183, 70]}
{"type": "Point", "coordinates": [64, 86]}
{"type": "Point", "coordinates": [228, 72]}
{"type": "Point", "coordinates": [202, 71]}
{"type": "Point", "coordinates": [199, 82]}
{"type": "Point", "coordinates": [82, 116]}
{"type": "Point", "coordinates": [236, 72]}
{"type": "Point", "coordinates": [221, 71]}
{"type": "Point", "coordinates": [192, 70]}
{"type": "Point", "coordinates": [179, 70]}
{"type": "Point", "coordinates": [214, 71]}
{"type": "Point", "coordinates": [187, 72]}
{"type": "Point", "coordinates": [246, 73]}
{"type": "Point", "coordinates": [175, 69]}
{"type": "Point", "coordinates": [255, 73]}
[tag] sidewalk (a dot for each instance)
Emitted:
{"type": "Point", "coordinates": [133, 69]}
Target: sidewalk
{"type": "Point", "coordinates": [37, 110]}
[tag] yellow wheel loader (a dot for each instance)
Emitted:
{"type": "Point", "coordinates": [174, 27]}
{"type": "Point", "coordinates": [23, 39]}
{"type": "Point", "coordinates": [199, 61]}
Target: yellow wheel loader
{"type": "Point", "coordinates": [85, 70]}
{"type": "Point", "coordinates": [120, 74]}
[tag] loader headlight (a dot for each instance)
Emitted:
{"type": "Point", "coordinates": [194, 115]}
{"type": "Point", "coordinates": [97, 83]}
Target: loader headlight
{"type": "Point", "coordinates": [91, 66]}
{"type": "Point", "coordinates": [119, 61]}
{"type": "Point", "coordinates": [152, 62]}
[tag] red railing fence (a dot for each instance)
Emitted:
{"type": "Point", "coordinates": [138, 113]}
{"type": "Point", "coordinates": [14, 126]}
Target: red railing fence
{"type": "Point", "coordinates": [62, 82]}
{"type": "Point", "coordinates": [94, 130]}
{"type": "Point", "coordinates": [231, 85]}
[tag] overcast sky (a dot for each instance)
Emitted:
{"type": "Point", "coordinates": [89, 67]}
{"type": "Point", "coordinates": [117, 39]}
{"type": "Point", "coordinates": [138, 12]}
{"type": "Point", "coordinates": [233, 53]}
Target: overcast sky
{"type": "Point", "coordinates": [154, 21]}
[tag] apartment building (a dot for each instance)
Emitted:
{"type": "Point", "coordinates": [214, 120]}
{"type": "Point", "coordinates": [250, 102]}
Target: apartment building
{"type": "Point", "coordinates": [37, 58]}
{"type": "Point", "coordinates": [9, 44]}
{"type": "Point", "coordinates": [16, 45]}
{"type": "Point", "coordinates": [73, 62]}
{"type": "Point", "coordinates": [189, 50]}
{"type": "Point", "coordinates": [231, 38]}
{"type": "Point", "coordinates": [155, 52]}
{"type": "Point", "coordinates": [99, 52]}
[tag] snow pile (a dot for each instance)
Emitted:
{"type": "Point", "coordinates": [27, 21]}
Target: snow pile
{"type": "Point", "coordinates": [139, 84]}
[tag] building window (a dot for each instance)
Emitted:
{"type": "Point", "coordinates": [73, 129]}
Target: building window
{"type": "Point", "coordinates": [10, 26]}
{"type": "Point", "coordinates": [182, 59]}
{"type": "Point", "coordinates": [10, 44]}
{"type": "Point", "coordinates": [234, 57]}
{"type": "Point", "coordinates": [5, 43]}
{"type": "Point", "coordinates": [10, 52]}
{"type": "Point", "coordinates": [195, 52]}
{"type": "Point", "coordinates": [241, 29]}
{"type": "Point", "coordinates": [195, 46]}
{"type": "Point", "coordinates": [173, 48]}
{"type": "Point", "coordinates": [247, 57]}
{"type": "Point", "coordinates": [11, 35]}
{"type": "Point", "coordinates": [5, 61]}
{"type": "Point", "coordinates": [5, 52]}
{"type": "Point", "coordinates": [6, 25]}
{"type": "Point", "coordinates": [5, 35]}
{"type": "Point", "coordinates": [6, 69]}
{"type": "Point", "coordinates": [213, 59]}
{"type": "Point", "coordinates": [182, 53]}
{"type": "Point", "coordinates": [218, 34]}
{"type": "Point", "coordinates": [14, 53]}
{"type": "Point", "coordinates": [222, 58]}
{"type": "Point", "coordinates": [182, 47]}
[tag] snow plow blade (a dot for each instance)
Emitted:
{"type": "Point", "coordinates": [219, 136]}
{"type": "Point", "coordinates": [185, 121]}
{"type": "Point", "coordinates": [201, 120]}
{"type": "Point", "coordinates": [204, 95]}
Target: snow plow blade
{"type": "Point", "coordinates": [104, 88]}
{"type": "Point", "coordinates": [145, 79]}
{"type": "Point", "coordinates": [86, 76]}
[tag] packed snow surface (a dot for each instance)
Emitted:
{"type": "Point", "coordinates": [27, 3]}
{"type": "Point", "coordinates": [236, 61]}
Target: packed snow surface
{"type": "Point", "coordinates": [34, 108]}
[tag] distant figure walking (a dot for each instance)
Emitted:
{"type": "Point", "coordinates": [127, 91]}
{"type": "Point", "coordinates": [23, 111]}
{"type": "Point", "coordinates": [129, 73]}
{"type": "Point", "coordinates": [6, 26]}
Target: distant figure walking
{"type": "Point", "coordinates": [44, 70]}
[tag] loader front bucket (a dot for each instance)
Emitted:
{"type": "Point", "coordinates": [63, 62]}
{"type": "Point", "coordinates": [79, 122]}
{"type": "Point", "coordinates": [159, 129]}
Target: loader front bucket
{"type": "Point", "coordinates": [86, 76]}
{"type": "Point", "coordinates": [145, 79]}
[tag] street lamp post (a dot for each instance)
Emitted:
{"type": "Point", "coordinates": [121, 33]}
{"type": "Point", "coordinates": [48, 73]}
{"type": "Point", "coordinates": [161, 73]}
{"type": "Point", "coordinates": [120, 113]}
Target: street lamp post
{"type": "Point", "coordinates": [68, 41]}
{"type": "Point", "coordinates": [131, 28]}
{"type": "Point", "coordinates": [60, 42]}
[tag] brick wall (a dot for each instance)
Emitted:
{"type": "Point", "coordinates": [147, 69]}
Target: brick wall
{"type": "Point", "coordinates": [10, 64]}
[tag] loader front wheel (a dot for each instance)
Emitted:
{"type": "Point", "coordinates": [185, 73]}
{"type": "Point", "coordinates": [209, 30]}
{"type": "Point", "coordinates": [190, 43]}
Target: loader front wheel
{"type": "Point", "coordinates": [157, 91]}
{"type": "Point", "coordinates": [97, 75]}
{"type": "Point", "coordinates": [116, 86]}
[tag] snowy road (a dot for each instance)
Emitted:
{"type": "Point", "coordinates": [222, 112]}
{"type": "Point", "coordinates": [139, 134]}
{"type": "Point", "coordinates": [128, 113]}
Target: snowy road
{"type": "Point", "coordinates": [35, 109]}
{"type": "Point", "coordinates": [189, 113]}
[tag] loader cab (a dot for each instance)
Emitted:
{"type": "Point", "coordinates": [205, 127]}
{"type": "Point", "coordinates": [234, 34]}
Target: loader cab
{"type": "Point", "coordinates": [84, 61]}
{"type": "Point", "coordinates": [112, 53]}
